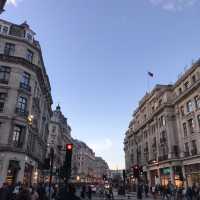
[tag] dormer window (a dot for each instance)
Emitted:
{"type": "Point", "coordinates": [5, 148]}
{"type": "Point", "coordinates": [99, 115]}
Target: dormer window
{"type": "Point", "coordinates": [186, 84]}
{"type": "Point", "coordinates": [29, 37]}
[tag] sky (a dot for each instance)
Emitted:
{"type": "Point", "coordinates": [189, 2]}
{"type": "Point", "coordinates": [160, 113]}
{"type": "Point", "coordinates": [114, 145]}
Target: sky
{"type": "Point", "coordinates": [97, 54]}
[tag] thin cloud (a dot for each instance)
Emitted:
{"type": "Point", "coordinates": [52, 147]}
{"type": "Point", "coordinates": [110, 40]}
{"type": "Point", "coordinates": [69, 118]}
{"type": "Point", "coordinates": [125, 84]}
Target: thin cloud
{"type": "Point", "coordinates": [173, 5]}
{"type": "Point", "coordinates": [13, 2]}
{"type": "Point", "coordinates": [102, 145]}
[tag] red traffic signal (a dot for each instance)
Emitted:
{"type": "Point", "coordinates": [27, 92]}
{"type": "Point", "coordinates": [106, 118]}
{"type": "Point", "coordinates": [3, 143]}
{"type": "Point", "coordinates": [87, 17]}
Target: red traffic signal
{"type": "Point", "coordinates": [69, 147]}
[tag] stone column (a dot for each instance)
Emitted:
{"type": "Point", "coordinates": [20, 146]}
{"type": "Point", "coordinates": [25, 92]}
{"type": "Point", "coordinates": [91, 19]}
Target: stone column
{"type": "Point", "coordinates": [172, 175]}
{"type": "Point", "coordinates": [20, 176]}
{"type": "Point", "coordinates": [5, 163]}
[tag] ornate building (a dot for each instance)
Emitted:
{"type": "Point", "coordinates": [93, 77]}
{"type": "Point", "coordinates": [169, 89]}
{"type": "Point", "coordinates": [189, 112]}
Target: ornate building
{"type": "Point", "coordinates": [59, 136]}
{"type": "Point", "coordinates": [25, 104]}
{"type": "Point", "coordinates": [164, 134]}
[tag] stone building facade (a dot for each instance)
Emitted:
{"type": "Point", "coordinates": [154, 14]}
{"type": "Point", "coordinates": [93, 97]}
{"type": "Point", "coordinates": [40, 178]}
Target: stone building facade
{"type": "Point", "coordinates": [88, 167]}
{"type": "Point", "coordinates": [59, 136]}
{"type": "Point", "coordinates": [25, 104]}
{"type": "Point", "coordinates": [164, 134]}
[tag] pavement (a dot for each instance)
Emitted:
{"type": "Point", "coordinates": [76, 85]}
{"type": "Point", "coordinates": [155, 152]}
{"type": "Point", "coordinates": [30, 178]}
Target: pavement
{"type": "Point", "coordinates": [131, 196]}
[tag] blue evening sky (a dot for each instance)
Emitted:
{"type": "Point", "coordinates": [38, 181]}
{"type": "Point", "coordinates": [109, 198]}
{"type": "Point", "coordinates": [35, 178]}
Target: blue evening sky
{"type": "Point", "coordinates": [97, 53]}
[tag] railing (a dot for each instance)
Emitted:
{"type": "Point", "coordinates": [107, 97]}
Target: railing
{"type": "Point", "coordinates": [25, 86]}
{"type": "Point", "coordinates": [21, 112]}
{"type": "Point", "coordinates": [162, 158]}
{"type": "Point", "coordinates": [4, 81]}
{"type": "Point", "coordinates": [187, 153]}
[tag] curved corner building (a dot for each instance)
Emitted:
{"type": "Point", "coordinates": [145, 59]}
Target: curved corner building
{"type": "Point", "coordinates": [25, 105]}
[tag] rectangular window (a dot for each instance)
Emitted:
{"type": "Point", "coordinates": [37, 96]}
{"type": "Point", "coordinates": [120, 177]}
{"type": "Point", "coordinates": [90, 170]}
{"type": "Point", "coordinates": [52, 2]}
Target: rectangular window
{"type": "Point", "coordinates": [29, 55]}
{"type": "Point", "coordinates": [194, 148]}
{"type": "Point", "coordinates": [189, 106]}
{"type": "Point", "coordinates": [5, 30]}
{"type": "Point", "coordinates": [193, 78]}
{"type": "Point", "coordinates": [187, 151]}
{"type": "Point", "coordinates": [185, 129]}
{"type": "Point", "coordinates": [198, 119]}
{"type": "Point", "coordinates": [25, 81]}
{"type": "Point", "coordinates": [9, 49]}
{"type": "Point", "coordinates": [197, 101]}
{"type": "Point", "coordinates": [17, 136]}
{"type": "Point", "coordinates": [2, 101]}
{"type": "Point", "coordinates": [182, 111]}
{"type": "Point", "coordinates": [22, 104]}
{"type": "Point", "coordinates": [180, 90]}
{"type": "Point", "coordinates": [191, 125]}
{"type": "Point", "coordinates": [4, 74]}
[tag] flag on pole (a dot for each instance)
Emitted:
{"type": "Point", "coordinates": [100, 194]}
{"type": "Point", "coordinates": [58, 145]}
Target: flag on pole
{"type": "Point", "coordinates": [150, 74]}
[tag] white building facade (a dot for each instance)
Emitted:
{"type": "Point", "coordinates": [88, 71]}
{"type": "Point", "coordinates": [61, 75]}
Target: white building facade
{"type": "Point", "coordinates": [25, 104]}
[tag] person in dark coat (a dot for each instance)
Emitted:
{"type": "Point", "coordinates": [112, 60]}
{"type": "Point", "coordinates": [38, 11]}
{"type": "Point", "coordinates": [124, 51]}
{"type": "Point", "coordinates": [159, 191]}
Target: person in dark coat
{"type": "Point", "coordinates": [4, 192]}
{"type": "Point", "coordinates": [139, 191]}
{"type": "Point", "coordinates": [83, 192]}
{"type": "Point", "coordinates": [67, 193]}
{"type": "Point", "coordinates": [24, 194]}
{"type": "Point", "coordinates": [89, 192]}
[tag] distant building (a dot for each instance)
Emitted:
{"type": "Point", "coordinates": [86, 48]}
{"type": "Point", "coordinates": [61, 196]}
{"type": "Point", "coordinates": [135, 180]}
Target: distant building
{"type": "Point", "coordinates": [164, 134]}
{"type": "Point", "coordinates": [25, 104]}
{"type": "Point", "coordinates": [59, 136]}
{"type": "Point", "coordinates": [88, 167]}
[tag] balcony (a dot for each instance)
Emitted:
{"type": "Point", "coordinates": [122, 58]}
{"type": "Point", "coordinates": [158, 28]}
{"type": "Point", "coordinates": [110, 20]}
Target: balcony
{"type": "Point", "coordinates": [187, 153]}
{"type": "Point", "coordinates": [3, 81]}
{"type": "Point", "coordinates": [162, 158]}
{"type": "Point", "coordinates": [21, 112]}
{"type": "Point", "coordinates": [25, 87]}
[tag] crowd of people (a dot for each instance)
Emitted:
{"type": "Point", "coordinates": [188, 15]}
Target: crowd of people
{"type": "Point", "coordinates": [41, 191]}
{"type": "Point", "coordinates": [169, 192]}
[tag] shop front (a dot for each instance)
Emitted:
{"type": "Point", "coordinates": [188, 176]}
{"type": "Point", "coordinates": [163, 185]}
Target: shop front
{"type": "Point", "coordinates": [28, 174]}
{"type": "Point", "coordinates": [153, 177]}
{"type": "Point", "coordinates": [192, 173]}
{"type": "Point", "coordinates": [12, 172]}
{"type": "Point", "coordinates": [165, 176]}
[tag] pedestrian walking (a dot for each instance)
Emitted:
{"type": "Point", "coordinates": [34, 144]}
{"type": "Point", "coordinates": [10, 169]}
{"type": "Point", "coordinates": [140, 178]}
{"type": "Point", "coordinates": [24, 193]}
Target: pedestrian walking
{"type": "Point", "coordinates": [146, 189]}
{"type": "Point", "coordinates": [24, 194]}
{"type": "Point", "coordinates": [83, 189]}
{"type": "Point", "coordinates": [67, 193]}
{"type": "Point", "coordinates": [34, 194]}
{"type": "Point", "coordinates": [89, 192]}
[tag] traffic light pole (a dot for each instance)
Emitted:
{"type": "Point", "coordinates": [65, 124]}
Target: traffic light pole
{"type": "Point", "coordinates": [51, 170]}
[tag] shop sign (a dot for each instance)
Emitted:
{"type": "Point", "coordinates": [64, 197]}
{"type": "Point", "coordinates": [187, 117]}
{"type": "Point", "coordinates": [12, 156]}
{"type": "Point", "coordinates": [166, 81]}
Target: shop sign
{"type": "Point", "coordinates": [166, 171]}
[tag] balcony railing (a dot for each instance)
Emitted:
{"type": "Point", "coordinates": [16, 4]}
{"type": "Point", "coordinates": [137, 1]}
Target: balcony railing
{"type": "Point", "coordinates": [21, 112]}
{"type": "Point", "coordinates": [187, 153]}
{"type": "Point", "coordinates": [25, 87]}
{"type": "Point", "coordinates": [162, 158]}
{"type": "Point", "coordinates": [4, 81]}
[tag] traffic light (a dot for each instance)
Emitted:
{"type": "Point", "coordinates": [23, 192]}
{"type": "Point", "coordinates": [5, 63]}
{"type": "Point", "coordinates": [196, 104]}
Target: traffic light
{"type": "Point", "coordinates": [136, 171]}
{"type": "Point", "coordinates": [124, 175]}
{"type": "Point", "coordinates": [68, 161]}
